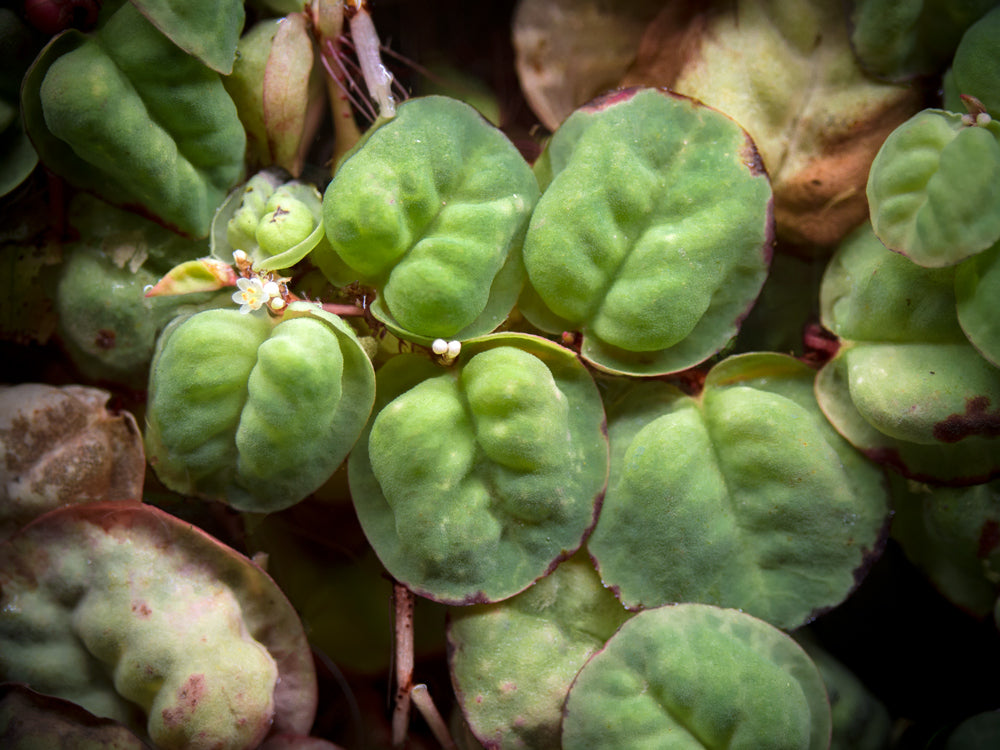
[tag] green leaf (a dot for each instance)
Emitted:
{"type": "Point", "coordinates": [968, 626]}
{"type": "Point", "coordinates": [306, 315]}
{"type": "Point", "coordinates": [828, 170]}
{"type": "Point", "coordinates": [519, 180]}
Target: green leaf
{"type": "Point", "coordinates": [742, 497]}
{"type": "Point", "coordinates": [512, 662]}
{"type": "Point", "coordinates": [906, 387]}
{"type": "Point", "coordinates": [976, 67]}
{"type": "Point", "coordinates": [253, 411]}
{"type": "Point", "coordinates": [126, 114]}
{"type": "Point", "coordinates": [207, 31]}
{"type": "Point", "coordinates": [653, 235]}
{"type": "Point", "coordinates": [902, 39]}
{"type": "Point", "coordinates": [926, 410]}
{"type": "Point", "coordinates": [473, 482]}
{"type": "Point", "coordinates": [951, 534]}
{"type": "Point", "coordinates": [138, 616]}
{"type": "Point", "coordinates": [931, 188]}
{"type": "Point", "coordinates": [870, 294]}
{"type": "Point", "coordinates": [18, 158]}
{"type": "Point", "coordinates": [430, 209]}
{"type": "Point", "coordinates": [977, 288]}
{"type": "Point", "coordinates": [694, 676]}
{"type": "Point", "coordinates": [275, 223]}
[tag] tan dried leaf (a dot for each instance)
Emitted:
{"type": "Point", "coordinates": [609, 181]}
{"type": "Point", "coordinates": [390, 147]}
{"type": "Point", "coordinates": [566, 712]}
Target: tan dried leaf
{"type": "Point", "coordinates": [60, 446]}
{"type": "Point", "coordinates": [785, 71]}
{"type": "Point", "coordinates": [568, 51]}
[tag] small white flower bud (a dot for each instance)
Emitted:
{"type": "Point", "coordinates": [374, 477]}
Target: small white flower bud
{"type": "Point", "coordinates": [440, 346]}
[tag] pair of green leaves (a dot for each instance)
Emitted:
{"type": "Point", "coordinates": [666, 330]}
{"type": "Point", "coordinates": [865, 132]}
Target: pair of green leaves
{"type": "Point", "coordinates": [542, 669]}
{"type": "Point", "coordinates": [652, 236]}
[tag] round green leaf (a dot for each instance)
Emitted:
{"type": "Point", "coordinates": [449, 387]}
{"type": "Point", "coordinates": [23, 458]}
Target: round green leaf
{"type": "Point", "coordinates": [742, 497]}
{"type": "Point", "coordinates": [473, 482]}
{"type": "Point", "coordinates": [430, 209]}
{"type": "Point", "coordinates": [695, 676]}
{"type": "Point", "coordinates": [255, 411]}
{"type": "Point", "coordinates": [653, 235]}
{"type": "Point", "coordinates": [976, 67]}
{"type": "Point", "coordinates": [512, 662]}
{"type": "Point", "coordinates": [128, 115]}
{"type": "Point", "coordinates": [977, 288]}
{"type": "Point", "coordinates": [926, 410]}
{"type": "Point", "coordinates": [145, 619]}
{"type": "Point", "coordinates": [871, 294]}
{"type": "Point", "coordinates": [932, 188]}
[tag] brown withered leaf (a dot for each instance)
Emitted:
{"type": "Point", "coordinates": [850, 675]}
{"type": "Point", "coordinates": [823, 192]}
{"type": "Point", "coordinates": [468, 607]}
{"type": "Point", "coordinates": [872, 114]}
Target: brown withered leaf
{"type": "Point", "coordinates": [31, 720]}
{"type": "Point", "coordinates": [569, 51]}
{"type": "Point", "coordinates": [60, 446]}
{"type": "Point", "coordinates": [785, 71]}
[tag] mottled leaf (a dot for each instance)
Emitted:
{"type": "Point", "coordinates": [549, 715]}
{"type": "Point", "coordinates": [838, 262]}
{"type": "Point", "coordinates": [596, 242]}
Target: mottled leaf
{"type": "Point", "coordinates": [695, 676]}
{"type": "Point", "coordinates": [512, 662]}
{"type": "Point", "coordinates": [142, 618]}
{"type": "Point", "coordinates": [743, 496]}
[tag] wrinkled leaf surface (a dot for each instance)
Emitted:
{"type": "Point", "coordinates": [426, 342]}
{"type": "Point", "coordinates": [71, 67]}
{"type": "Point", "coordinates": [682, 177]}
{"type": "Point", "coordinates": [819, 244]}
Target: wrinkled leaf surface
{"type": "Point", "coordinates": [473, 482]}
{"type": "Point", "coordinates": [653, 235]}
{"type": "Point", "coordinates": [741, 497]}
{"type": "Point", "coordinates": [695, 676]}
{"type": "Point", "coordinates": [430, 208]}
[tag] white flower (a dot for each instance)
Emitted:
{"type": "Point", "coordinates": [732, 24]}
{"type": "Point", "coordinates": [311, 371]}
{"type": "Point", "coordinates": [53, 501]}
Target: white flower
{"type": "Point", "coordinates": [251, 294]}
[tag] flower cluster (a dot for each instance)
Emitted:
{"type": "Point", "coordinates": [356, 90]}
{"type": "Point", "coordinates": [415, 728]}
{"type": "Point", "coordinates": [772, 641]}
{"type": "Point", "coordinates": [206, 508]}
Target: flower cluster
{"type": "Point", "coordinates": [254, 291]}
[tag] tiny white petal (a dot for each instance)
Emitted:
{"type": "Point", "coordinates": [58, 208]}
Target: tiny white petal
{"type": "Point", "coordinates": [440, 346]}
